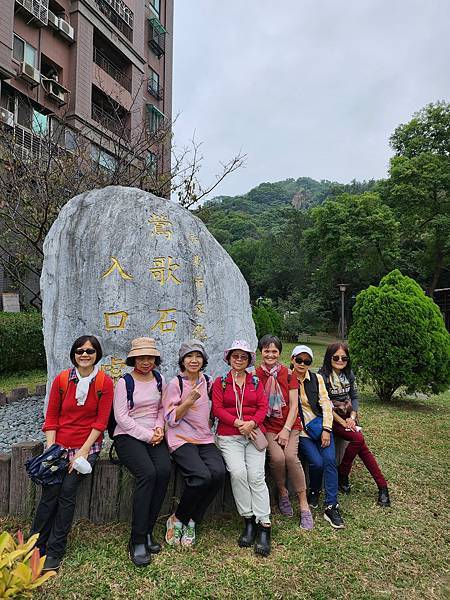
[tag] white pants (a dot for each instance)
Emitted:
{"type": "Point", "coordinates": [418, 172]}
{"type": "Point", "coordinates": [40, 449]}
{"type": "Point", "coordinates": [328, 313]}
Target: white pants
{"type": "Point", "coordinates": [247, 473]}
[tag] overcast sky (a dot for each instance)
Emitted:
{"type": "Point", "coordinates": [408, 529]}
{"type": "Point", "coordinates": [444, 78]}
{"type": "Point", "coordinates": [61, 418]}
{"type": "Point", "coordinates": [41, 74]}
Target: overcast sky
{"type": "Point", "coordinates": [304, 87]}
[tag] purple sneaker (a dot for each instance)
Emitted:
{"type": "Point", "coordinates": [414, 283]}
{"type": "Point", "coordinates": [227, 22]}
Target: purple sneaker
{"type": "Point", "coordinates": [285, 506]}
{"type": "Point", "coordinates": [306, 520]}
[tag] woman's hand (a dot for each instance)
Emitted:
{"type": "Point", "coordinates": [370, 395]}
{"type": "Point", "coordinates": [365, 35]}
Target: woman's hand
{"type": "Point", "coordinates": [193, 395]}
{"type": "Point", "coordinates": [247, 427]}
{"type": "Point", "coordinates": [81, 452]}
{"type": "Point", "coordinates": [325, 438]}
{"type": "Point", "coordinates": [238, 423]}
{"type": "Point", "coordinates": [350, 424]}
{"type": "Point", "coordinates": [158, 435]}
{"type": "Point", "coordinates": [282, 437]}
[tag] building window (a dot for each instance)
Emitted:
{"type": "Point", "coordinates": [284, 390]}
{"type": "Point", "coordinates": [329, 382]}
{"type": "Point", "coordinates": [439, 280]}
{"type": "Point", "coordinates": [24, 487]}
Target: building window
{"type": "Point", "coordinates": [156, 5]}
{"type": "Point", "coordinates": [157, 37]}
{"type": "Point", "coordinates": [24, 52]}
{"type": "Point", "coordinates": [151, 162]}
{"type": "Point", "coordinates": [39, 123]}
{"type": "Point", "coordinates": [153, 85]}
{"type": "Point", "coordinates": [155, 118]}
{"type": "Point", "coordinates": [102, 158]}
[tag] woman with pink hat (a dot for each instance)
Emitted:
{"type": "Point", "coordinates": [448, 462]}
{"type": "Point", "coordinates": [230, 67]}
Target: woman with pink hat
{"type": "Point", "coordinates": [240, 404]}
{"type": "Point", "coordinates": [187, 411]}
{"type": "Point", "coordinates": [140, 445]}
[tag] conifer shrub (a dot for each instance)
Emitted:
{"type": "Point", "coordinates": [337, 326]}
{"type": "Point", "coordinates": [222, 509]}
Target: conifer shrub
{"type": "Point", "coordinates": [398, 338]}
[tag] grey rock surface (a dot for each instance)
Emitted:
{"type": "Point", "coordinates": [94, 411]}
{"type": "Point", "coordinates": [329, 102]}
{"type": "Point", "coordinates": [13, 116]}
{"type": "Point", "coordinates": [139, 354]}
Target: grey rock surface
{"type": "Point", "coordinates": [121, 263]}
{"type": "Point", "coordinates": [21, 422]}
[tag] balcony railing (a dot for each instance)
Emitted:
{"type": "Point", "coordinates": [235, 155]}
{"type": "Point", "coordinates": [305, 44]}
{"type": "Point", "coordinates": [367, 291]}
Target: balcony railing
{"type": "Point", "coordinates": [157, 37]}
{"type": "Point", "coordinates": [106, 65]}
{"type": "Point", "coordinates": [112, 122]}
{"type": "Point", "coordinates": [114, 18]}
{"type": "Point", "coordinates": [155, 90]}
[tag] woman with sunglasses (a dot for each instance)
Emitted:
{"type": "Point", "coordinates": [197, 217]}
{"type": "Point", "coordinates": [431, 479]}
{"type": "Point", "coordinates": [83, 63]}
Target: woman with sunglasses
{"type": "Point", "coordinates": [283, 427]}
{"type": "Point", "coordinates": [317, 448]}
{"type": "Point", "coordinates": [240, 405]}
{"type": "Point", "coordinates": [140, 445]}
{"type": "Point", "coordinates": [341, 386]}
{"type": "Point", "coordinates": [187, 411]}
{"type": "Point", "coordinates": [77, 414]}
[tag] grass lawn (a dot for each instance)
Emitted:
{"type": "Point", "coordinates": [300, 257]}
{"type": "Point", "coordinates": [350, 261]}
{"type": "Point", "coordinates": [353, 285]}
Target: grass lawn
{"type": "Point", "coordinates": [398, 553]}
{"type": "Point", "coordinates": [29, 379]}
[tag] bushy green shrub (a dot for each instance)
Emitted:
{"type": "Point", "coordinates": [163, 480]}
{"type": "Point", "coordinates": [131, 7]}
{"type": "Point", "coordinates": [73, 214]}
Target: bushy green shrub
{"type": "Point", "coordinates": [22, 342]}
{"type": "Point", "coordinates": [262, 321]}
{"type": "Point", "coordinates": [276, 320]}
{"type": "Point", "coordinates": [398, 338]}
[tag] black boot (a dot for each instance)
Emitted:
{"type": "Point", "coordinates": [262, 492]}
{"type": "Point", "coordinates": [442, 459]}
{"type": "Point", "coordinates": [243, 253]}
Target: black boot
{"type": "Point", "coordinates": [248, 534]}
{"type": "Point", "coordinates": [262, 542]}
{"type": "Point", "coordinates": [344, 484]}
{"type": "Point", "coordinates": [383, 497]}
{"type": "Point", "coordinates": [152, 546]}
{"type": "Point", "coordinates": [139, 554]}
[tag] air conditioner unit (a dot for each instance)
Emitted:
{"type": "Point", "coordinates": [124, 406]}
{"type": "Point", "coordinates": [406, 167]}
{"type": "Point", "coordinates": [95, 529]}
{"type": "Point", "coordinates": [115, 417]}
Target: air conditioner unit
{"type": "Point", "coordinates": [56, 91]}
{"type": "Point", "coordinates": [30, 74]}
{"type": "Point", "coordinates": [66, 30]}
{"type": "Point", "coordinates": [27, 4]}
{"type": "Point", "coordinates": [7, 117]}
{"type": "Point", "coordinates": [53, 20]}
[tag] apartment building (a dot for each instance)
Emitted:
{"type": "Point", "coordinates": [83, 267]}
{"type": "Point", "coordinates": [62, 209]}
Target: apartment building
{"type": "Point", "coordinates": [87, 64]}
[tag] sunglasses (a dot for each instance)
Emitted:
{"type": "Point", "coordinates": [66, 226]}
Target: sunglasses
{"type": "Point", "coordinates": [337, 358]}
{"type": "Point", "coordinates": [303, 361]}
{"type": "Point", "coordinates": [80, 351]}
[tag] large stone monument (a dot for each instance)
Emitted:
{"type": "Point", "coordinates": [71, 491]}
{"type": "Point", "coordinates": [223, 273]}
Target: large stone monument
{"type": "Point", "coordinates": [120, 263]}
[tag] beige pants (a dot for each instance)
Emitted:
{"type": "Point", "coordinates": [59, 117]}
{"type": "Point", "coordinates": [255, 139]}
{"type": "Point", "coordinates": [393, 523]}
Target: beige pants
{"type": "Point", "coordinates": [246, 467]}
{"type": "Point", "coordinates": [286, 459]}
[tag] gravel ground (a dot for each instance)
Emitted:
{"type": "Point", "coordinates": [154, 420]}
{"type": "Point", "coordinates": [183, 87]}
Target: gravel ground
{"type": "Point", "coordinates": [21, 421]}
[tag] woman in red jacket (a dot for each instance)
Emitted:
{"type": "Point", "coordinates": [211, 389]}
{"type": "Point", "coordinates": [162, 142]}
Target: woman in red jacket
{"type": "Point", "coordinates": [76, 416]}
{"type": "Point", "coordinates": [240, 405]}
{"type": "Point", "coordinates": [283, 428]}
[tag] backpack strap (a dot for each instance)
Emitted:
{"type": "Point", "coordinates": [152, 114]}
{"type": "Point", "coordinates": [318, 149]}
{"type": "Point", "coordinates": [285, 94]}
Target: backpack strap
{"type": "Point", "coordinates": [129, 384]}
{"type": "Point", "coordinates": [158, 377]}
{"type": "Point", "coordinates": [63, 385]}
{"type": "Point", "coordinates": [224, 382]}
{"type": "Point", "coordinates": [99, 382]}
{"type": "Point", "coordinates": [255, 381]}
{"type": "Point", "coordinates": [180, 383]}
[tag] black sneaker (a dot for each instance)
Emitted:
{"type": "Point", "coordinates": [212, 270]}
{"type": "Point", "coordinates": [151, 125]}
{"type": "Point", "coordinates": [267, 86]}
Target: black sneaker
{"type": "Point", "coordinates": [313, 499]}
{"type": "Point", "coordinates": [52, 563]}
{"type": "Point", "coordinates": [333, 516]}
{"type": "Point", "coordinates": [383, 497]}
{"type": "Point", "coordinates": [344, 484]}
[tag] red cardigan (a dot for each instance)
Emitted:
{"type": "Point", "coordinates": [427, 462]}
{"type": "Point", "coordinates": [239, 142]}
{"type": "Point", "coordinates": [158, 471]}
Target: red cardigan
{"type": "Point", "coordinates": [274, 424]}
{"type": "Point", "coordinates": [254, 407]}
{"type": "Point", "coordinates": [74, 423]}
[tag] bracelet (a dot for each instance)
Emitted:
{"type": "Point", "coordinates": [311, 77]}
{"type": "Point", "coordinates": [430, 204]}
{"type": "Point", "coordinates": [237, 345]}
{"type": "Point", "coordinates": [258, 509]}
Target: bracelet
{"type": "Point", "coordinates": [288, 428]}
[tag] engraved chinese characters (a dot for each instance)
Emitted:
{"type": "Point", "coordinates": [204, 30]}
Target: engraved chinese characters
{"type": "Point", "coordinates": [121, 263]}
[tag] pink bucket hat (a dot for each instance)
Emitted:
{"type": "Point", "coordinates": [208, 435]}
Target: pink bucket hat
{"type": "Point", "coordinates": [240, 345]}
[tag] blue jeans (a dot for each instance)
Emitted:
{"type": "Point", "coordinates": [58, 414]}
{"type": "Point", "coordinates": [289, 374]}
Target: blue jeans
{"type": "Point", "coordinates": [321, 463]}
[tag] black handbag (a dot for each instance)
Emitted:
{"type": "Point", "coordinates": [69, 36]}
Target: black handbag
{"type": "Point", "coordinates": [50, 467]}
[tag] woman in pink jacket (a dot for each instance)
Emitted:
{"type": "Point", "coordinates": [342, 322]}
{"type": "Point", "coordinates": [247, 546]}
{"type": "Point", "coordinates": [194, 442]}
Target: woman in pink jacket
{"type": "Point", "coordinates": [140, 445]}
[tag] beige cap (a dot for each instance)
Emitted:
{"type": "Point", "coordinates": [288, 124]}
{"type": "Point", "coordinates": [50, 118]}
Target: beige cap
{"type": "Point", "coordinates": [143, 346]}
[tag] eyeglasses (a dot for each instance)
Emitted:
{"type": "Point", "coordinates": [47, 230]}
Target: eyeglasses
{"type": "Point", "coordinates": [301, 361]}
{"type": "Point", "coordinates": [337, 358]}
{"type": "Point", "coordinates": [80, 351]}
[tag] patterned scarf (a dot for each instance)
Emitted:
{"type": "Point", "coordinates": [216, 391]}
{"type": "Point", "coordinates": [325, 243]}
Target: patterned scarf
{"type": "Point", "coordinates": [273, 391]}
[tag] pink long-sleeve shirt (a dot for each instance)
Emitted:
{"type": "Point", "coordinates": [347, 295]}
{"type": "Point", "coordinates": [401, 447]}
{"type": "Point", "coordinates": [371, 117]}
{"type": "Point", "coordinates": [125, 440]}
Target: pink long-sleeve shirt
{"type": "Point", "coordinates": [147, 413]}
{"type": "Point", "coordinates": [194, 427]}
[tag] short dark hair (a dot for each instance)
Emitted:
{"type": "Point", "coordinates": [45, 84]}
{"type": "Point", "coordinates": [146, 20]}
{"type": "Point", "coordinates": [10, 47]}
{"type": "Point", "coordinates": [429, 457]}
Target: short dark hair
{"type": "Point", "coordinates": [183, 368]}
{"type": "Point", "coordinates": [82, 340]}
{"type": "Point", "coordinates": [131, 361]}
{"type": "Point", "coordinates": [268, 339]}
{"type": "Point", "coordinates": [329, 352]}
{"type": "Point", "coordinates": [233, 349]}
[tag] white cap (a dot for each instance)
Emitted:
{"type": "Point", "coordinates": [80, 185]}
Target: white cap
{"type": "Point", "coordinates": [300, 349]}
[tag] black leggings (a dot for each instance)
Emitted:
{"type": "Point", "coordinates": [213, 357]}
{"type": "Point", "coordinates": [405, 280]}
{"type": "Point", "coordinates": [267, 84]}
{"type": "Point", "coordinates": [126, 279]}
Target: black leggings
{"type": "Point", "coordinates": [54, 514]}
{"type": "Point", "coordinates": [151, 467]}
{"type": "Point", "coordinates": [204, 471]}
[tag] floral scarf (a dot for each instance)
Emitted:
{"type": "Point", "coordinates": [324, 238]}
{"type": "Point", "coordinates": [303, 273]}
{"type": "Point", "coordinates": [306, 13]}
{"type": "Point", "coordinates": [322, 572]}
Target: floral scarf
{"type": "Point", "coordinates": [273, 391]}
